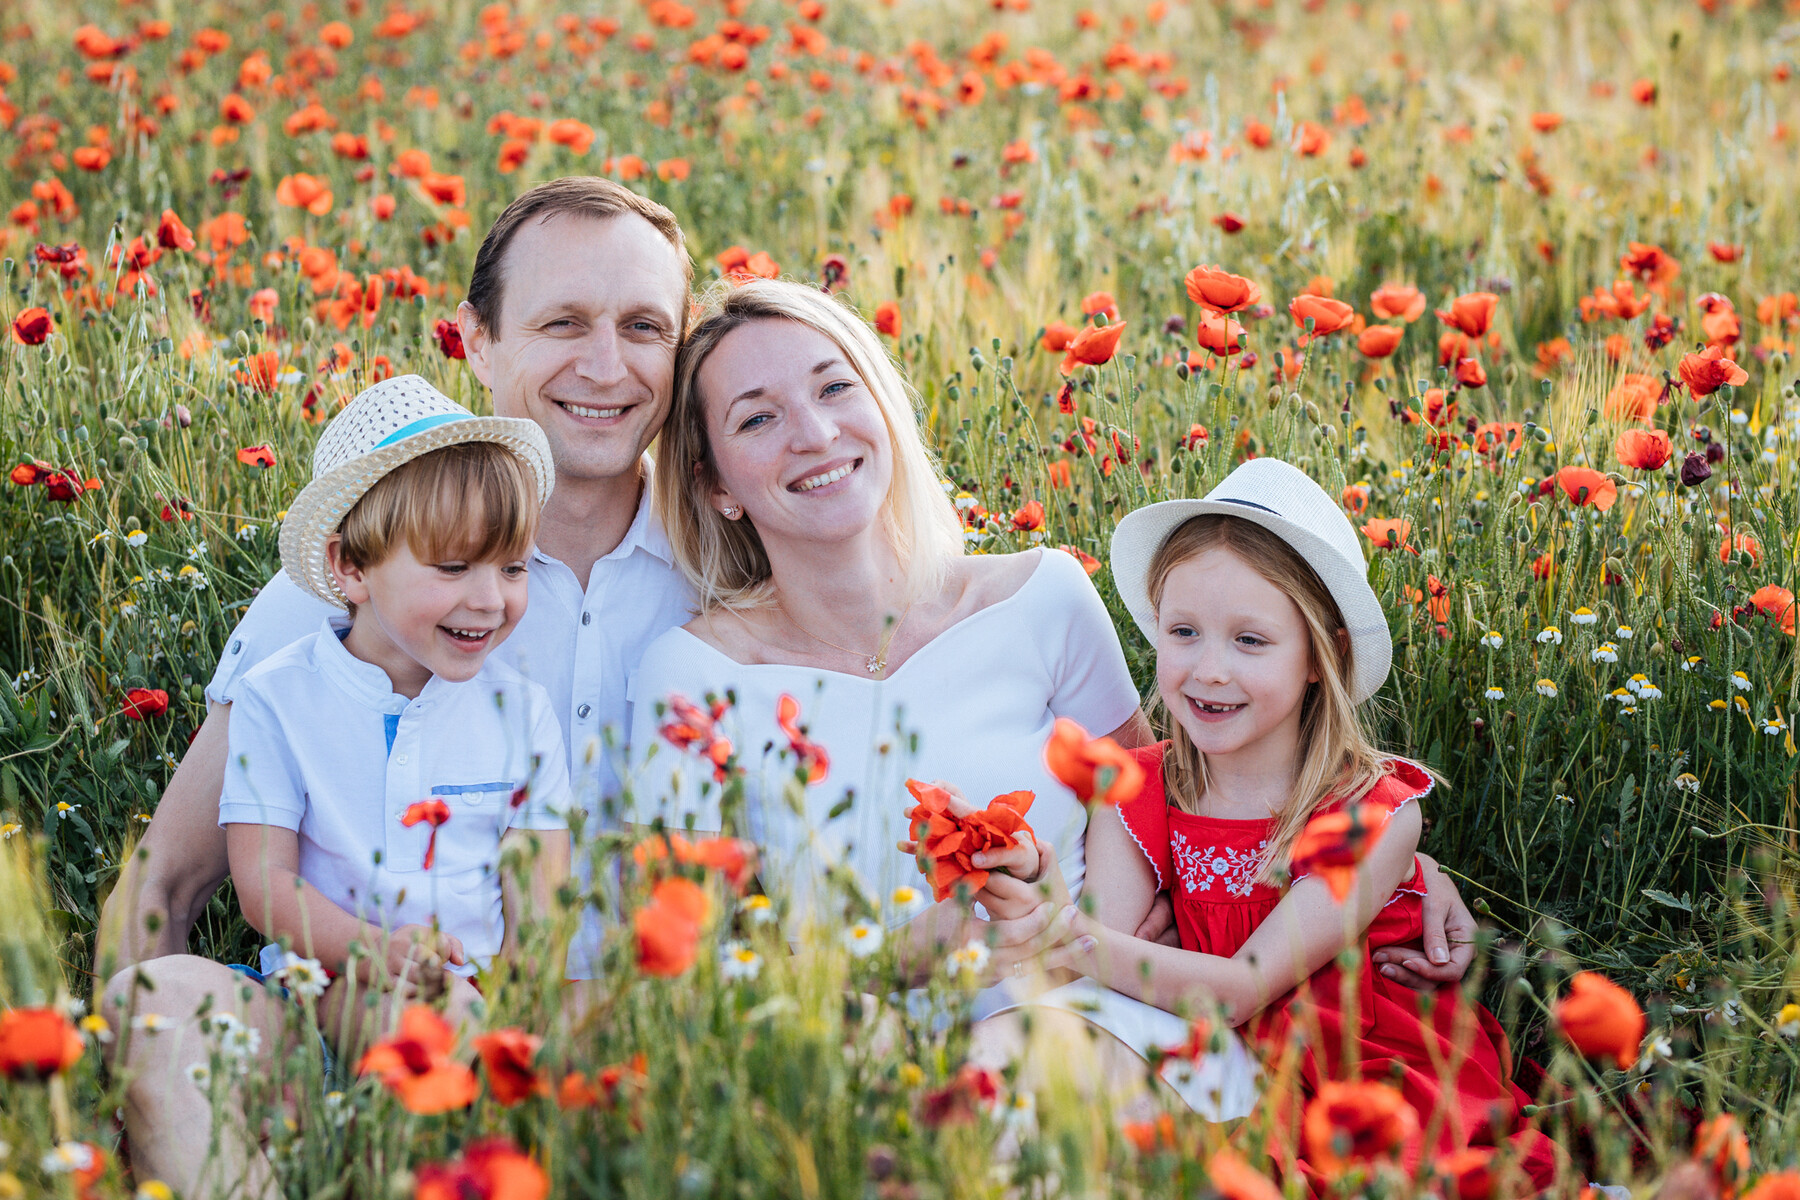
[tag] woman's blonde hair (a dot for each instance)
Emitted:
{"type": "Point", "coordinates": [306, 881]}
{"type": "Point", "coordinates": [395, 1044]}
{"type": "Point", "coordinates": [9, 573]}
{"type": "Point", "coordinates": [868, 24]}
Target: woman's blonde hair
{"type": "Point", "coordinates": [725, 560]}
{"type": "Point", "coordinates": [1338, 759]}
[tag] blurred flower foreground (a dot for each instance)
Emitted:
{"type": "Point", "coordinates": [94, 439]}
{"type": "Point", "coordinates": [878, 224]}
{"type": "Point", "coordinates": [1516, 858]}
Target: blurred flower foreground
{"type": "Point", "coordinates": [1515, 279]}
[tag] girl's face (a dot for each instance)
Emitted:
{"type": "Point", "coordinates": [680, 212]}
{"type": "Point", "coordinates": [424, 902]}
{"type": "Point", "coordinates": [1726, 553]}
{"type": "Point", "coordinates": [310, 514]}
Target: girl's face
{"type": "Point", "coordinates": [1233, 659]}
{"type": "Point", "coordinates": [797, 438]}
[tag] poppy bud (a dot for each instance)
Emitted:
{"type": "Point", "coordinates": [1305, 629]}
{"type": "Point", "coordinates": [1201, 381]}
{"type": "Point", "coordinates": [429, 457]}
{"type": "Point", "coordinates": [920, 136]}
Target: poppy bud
{"type": "Point", "coordinates": [1715, 452]}
{"type": "Point", "coordinates": [1694, 471]}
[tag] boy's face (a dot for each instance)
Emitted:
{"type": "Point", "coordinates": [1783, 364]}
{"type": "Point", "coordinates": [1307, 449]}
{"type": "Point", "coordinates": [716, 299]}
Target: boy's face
{"type": "Point", "coordinates": [416, 619]}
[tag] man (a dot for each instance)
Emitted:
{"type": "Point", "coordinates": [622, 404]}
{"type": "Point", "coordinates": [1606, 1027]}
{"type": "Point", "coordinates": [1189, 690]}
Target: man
{"type": "Point", "coordinates": [576, 305]}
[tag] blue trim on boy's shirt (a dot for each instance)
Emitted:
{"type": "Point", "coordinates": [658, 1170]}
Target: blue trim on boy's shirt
{"type": "Point", "coordinates": [390, 725]}
{"type": "Point", "coordinates": [463, 789]}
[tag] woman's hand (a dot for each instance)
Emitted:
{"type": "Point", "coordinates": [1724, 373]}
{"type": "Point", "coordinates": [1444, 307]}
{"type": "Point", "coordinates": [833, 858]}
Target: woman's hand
{"type": "Point", "coordinates": [1449, 938]}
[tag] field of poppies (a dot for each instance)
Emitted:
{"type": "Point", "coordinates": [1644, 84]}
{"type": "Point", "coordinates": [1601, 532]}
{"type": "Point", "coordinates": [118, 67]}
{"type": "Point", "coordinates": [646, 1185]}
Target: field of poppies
{"type": "Point", "coordinates": [1514, 278]}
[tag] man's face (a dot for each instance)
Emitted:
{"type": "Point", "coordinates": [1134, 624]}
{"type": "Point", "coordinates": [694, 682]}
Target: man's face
{"type": "Point", "coordinates": [585, 346]}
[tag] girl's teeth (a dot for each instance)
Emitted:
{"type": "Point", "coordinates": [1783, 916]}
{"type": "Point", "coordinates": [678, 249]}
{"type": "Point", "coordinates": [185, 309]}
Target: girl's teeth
{"type": "Point", "coordinates": [818, 481]}
{"type": "Point", "coordinates": [596, 413]}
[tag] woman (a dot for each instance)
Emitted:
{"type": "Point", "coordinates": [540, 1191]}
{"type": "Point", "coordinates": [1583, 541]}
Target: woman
{"type": "Point", "coordinates": [806, 511]}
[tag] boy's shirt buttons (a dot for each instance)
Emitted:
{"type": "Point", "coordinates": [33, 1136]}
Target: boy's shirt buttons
{"type": "Point", "coordinates": [584, 710]}
{"type": "Point", "coordinates": [586, 617]}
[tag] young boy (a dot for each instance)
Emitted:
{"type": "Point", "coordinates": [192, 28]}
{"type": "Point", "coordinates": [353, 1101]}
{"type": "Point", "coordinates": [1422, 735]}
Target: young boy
{"type": "Point", "coordinates": [378, 767]}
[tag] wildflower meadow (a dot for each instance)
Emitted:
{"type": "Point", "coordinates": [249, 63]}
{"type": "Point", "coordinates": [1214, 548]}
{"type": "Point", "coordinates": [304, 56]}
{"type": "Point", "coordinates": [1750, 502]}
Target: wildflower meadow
{"type": "Point", "coordinates": [1515, 279]}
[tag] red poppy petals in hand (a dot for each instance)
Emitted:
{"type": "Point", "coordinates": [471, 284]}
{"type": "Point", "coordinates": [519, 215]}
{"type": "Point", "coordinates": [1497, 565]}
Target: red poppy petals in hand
{"type": "Point", "coordinates": [948, 842]}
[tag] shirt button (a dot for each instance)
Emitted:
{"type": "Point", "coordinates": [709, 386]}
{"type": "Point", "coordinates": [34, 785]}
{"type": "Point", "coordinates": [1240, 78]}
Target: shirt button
{"type": "Point", "coordinates": [584, 710]}
{"type": "Point", "coordinates": [586, 617]}
{"type": "Point", "coordinates": [401, 759]}
{"type": "Point", "coordinates": [239, 643]}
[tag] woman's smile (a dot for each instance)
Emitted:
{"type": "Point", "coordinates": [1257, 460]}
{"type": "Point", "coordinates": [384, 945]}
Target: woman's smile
{"type": "Point", "coordinates": [822, 480]}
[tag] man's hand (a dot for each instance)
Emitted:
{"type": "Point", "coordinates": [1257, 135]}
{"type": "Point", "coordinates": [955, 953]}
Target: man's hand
{"type": "Point", "coordinates": [1449, 938]}
{"type": "Point", "coordinates": [1158, 924]}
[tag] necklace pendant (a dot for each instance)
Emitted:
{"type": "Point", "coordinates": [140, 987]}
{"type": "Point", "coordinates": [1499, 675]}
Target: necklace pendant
{"type": "Point", "coordinates": [876, 664]}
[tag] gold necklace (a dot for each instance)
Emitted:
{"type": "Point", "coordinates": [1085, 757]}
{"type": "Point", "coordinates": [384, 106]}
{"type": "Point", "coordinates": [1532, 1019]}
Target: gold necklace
{"type": "Point", "coordinates": [875, 664]}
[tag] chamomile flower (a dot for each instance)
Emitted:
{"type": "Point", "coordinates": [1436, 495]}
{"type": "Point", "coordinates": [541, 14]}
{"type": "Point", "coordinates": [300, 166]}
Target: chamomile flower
{"type": "Point", "coordinates": [863, 938]}
{"type": "Point", "coordinates": [1605, 652]}
{"type": "Point", "coordinates": [304, 976]}
{"type": "Point", "coordinates": [1743, 705]}
{"type": "Point", "coordinates": [1773, 726]}
{"type": "Point", "coordinates": [1546, 687]}
{"type": "Point", "coordinates": [1495, 693]}
{"type": "Point", "coordinates": [64, 808]}
{"type": "Point", "coordinates": [758, 910]}
{"type": "Point", "coordinates": [1624, 633]}
{"type": "Point", "coordinates": [1691, 661]}
{"type": "Point", "coordinates": [739, 962]}
{"type": "Point", "coordinates": [1550, 635]}
{"type": "Point", "coordinates": [136, 537]}
{"type": "Point", "coordinates": [1787, 1021]}
{"type": "Point", "coordinates": [971, 958]}
{"type": "Point", "coordinates": [1687, 781]}
{"type": "Point", "coordinates": [246, 532]}
{"type": "Point", "coordinates": [1740, 681]}
{"type": "Point", "coordinates": [105, 535]}
{"type": "Point", "coordinates": [67, 1158]}
{"type": "Point", "coordinates": [1649, 691]}
{"type": "Point", "coordinates": [907, 901]}
{"type": "Point", "coordinates": [199, 1074]}
{"type": "Point", "coordinates": [1717, 705]}
{"type": "Point", "coordinates": [96, 1027]}
{"type": "Point", "coordinates": [192, 575]}
{"type": "Point", "coordinates": [1583, 616]}
{"type": "Point", "coordinates": [154, 1189]}
{"type": "Point", "coordinates": [1492, 640]}
{"type": "Point", "coordinates": [1021, 1114]}
{"type": "Point", "coordinates": [9, 830]}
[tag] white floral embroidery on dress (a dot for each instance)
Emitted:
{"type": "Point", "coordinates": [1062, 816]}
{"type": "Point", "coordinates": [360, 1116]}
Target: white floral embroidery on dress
{"type": "Point", "coordinates": [1200, 868]}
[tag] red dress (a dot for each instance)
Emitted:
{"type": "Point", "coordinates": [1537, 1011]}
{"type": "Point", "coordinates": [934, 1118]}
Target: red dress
{"type": "Point", "coordinates": [1209, 866]}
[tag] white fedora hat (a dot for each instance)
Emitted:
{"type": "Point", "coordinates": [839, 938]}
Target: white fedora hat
{"type": "Point", "coordinates": [1284, 500]}
{"type": "Point", "coordinates": [389, 424]}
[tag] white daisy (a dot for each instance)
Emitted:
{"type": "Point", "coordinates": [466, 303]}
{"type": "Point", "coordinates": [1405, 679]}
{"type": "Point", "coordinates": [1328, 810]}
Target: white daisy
{"type": "Point", "coordinates": [863, 938]}
{"type": "Point", "coordinates": [972, 957]}
{"type": "Point", "coordinates": [1550, 635]}
{"type": "Point", "coordinates": [739, 962]}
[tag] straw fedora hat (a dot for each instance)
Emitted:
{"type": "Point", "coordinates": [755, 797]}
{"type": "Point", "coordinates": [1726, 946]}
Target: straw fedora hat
{"type": "Point", "coordinates": [1284, 500]}
{"type": "Point", "coordinates": [388, 425]}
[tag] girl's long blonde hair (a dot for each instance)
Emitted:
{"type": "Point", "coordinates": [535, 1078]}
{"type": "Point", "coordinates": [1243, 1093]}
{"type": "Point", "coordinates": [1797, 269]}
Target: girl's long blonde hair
{"type": "Point", "coordinates": [1337, 756]}
{"type": "Point", "coordinates": [725, 560]}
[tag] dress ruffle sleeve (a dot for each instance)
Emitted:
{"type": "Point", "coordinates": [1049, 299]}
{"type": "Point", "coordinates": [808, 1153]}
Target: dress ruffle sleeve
{"type": "Point", "coordinates": [1146, 818]}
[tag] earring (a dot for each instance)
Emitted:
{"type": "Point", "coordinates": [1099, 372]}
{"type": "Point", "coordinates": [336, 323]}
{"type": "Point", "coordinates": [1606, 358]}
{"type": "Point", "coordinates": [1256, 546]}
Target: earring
{"type": "Point", "coordinates": [729, 512]}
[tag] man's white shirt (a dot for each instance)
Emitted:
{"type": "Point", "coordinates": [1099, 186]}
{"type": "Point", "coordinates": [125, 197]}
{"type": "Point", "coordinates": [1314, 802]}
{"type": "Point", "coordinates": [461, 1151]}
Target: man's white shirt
{"type": "Point", "coordinates": [580, 646]}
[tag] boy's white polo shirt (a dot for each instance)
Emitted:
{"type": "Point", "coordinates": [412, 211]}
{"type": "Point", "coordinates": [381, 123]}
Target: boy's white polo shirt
{"type": "Point", "coordinates": [581, 645]}
{"type": "Point", "coordinates": [322, 745]}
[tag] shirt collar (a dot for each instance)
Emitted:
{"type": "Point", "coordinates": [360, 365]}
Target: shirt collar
{"type": "Point", "coordinates": [366, 683]}
{"type": "Point", "coordinates": [646, 532]}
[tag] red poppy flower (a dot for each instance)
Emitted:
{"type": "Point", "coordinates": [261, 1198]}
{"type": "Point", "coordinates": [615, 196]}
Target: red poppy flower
{"type": "Point", "coordinates": [1351, 1123]}
{"type": "Point", "coordinates": [29, 474]}
{"type": "Point", "coordinates": [1467, 1174]}
{"type": "Point", "coordinates": [1379, 341]}
{"type": "Point", "coordinates": [690, 727]}
{"type": "Point", "coordinates": [1219, 334]}
{"type": "Point", "coordinates": [415, 1064]}
{"type": "Point", "coordinates": [1471, 314]}
{"type": "Point", "coordinates": [813, 759]}
{"type": "Point", "coordinates": [1029, 518]}
{"type": "Point", "coordinates": [1230, 222]}
{"type": "Point", "coordinates": [1470, 374]}
{"type": "Point", "coordinates": [140, 704]}
{"type": "Point", "coordinates": [433, 812]}
{"type": "Point", "coordinates": [304, 191]}
{"type": "Point", "coordinates": [1327, 315]}
{"type": "Point", "coordinates": [1333, 844]}
{"type": "Point", "coordinates": [1741, 543]}
{"type": "Point", "coordinates": [1644, 449]}
{"type": "Point", "coordinates": [449, 339]}
{"type": "Point", "coordinates": [1776, 603]}
{"type": "Point", "coordinates": [257, 456]}
{"type": "Point", "coordinates": [887, 318]}
{"type": "Point", "coordinates": [1586, 486]}
{"type": "Point", "coordinates": [36, 1043]}
{"type": "Point", "coordinates": [1721, 1147]}
{"type": "Point", "coordinates": [1093, 345]}
{"type": "Point", "coordinates": [1601, 1020]}
{"type": "Point", "coordinates": [1633, 398]}
{"type": "Point", "coordinates": [1709, 370]}
{"type": "Point", "coordinates": [506, 1055]}
{"type": "Point", "coordinates": [1234, 1179]}
{"type": "Point", "coordinates": [171, 234]}
{"type": "Point", "coordinates": [492, 1169]}
{"type": "Point", "coordinates": [32, 326]}
{"type": "Point", "coordinates": [959, 1101]}
{"type": "Point", "coordinates": [1389, 533]}
{"type": "Point", "coordinates": [948, 842]}
{"type": "Point", "coordinates": [668, 927]}
{"type": "Point", "coordinates": [1392, 300]}
{"type": "Point", "coordinates": [1088, 562]}
{"type": "Point", "coordinates": [1057, 337]}
{"type": "Point", "coordinates": [1221, 291]}
{"type": "Point", "coordinates": [1095, 769]}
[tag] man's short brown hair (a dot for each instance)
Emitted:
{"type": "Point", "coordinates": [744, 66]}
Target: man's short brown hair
{"type": "Point", "coordinates": [573, 195]}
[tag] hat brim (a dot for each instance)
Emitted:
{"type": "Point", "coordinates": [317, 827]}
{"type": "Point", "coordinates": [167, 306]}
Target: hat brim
{"type": "Point", "coordinates": [1142, 533]}
{"type": "Point", "coordinates": [319, 509]}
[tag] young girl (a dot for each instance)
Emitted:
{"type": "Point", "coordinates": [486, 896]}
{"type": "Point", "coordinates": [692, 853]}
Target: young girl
{"type": "Point", "coordinates": [1268, 638]}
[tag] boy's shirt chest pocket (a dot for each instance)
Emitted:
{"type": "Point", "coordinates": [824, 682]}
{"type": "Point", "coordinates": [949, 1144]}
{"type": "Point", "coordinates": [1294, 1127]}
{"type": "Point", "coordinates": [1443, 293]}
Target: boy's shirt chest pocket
{"type": "Point", "coordinates": [469, 840]}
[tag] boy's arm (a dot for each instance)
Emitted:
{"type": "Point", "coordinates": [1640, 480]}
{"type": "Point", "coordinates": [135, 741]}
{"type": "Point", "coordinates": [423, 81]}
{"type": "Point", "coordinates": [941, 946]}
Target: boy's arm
{"type": "Point", "coordinates": [535, 896]}
{"type": "Point", "coordinates": [1303, 933]}
{"type": "Point", "coordinates": [265, 869]}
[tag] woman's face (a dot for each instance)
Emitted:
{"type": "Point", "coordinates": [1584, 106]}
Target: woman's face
{"type": "Point", "coordinates": [796, 436]}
